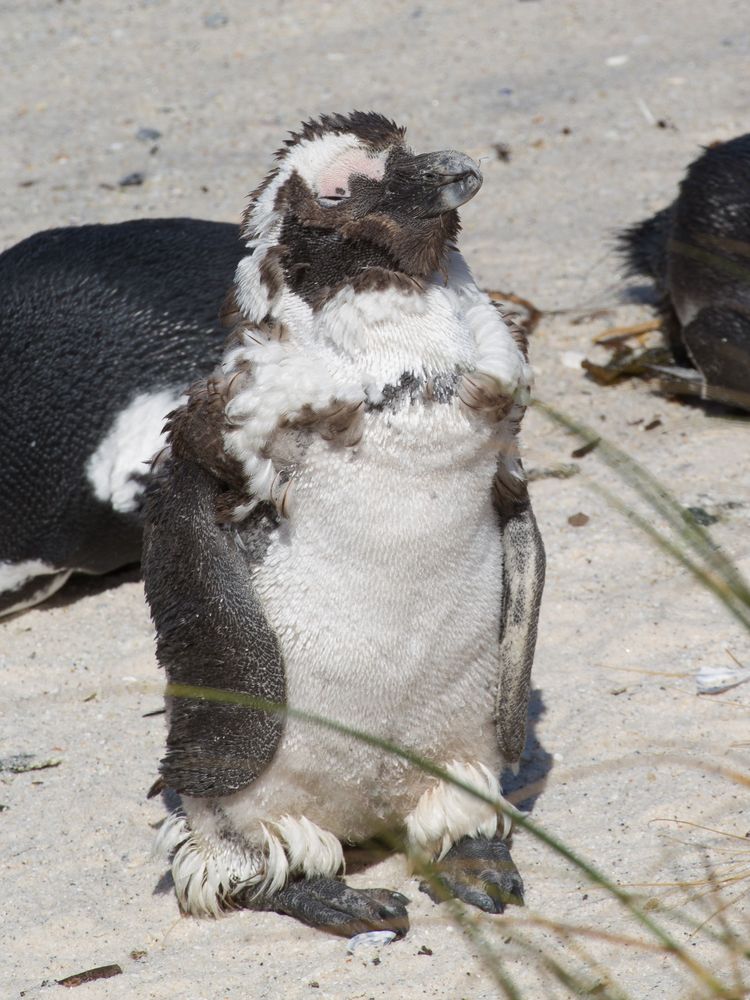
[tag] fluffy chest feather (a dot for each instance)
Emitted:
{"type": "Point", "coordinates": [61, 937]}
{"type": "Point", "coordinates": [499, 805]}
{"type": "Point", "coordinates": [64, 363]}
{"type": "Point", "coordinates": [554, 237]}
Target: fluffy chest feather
{"type": "Point", "coordinates": [389, 569]}
{"type": "Point", "coordinates": [385, 580]}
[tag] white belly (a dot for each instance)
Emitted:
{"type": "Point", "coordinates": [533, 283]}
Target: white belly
{"type": "Point", "coordinates": [385, 589]}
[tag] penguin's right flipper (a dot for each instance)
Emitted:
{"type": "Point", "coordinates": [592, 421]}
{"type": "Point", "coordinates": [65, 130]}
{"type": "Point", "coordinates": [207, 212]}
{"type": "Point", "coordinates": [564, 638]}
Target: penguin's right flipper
{"type": "Point", "coordinates": [524, 567]}
{"type": "Point", "coordinates": [213, 638]}
{"type": "Point", "coordinates": [718, 342]}
{"type": "Point", "coordinates": [330, 904]}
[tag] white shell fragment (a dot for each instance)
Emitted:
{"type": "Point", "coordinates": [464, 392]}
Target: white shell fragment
{"type": "Point", "coordinates": [714, 680]}
{"type": "Point", "coordinates": [370, 940]}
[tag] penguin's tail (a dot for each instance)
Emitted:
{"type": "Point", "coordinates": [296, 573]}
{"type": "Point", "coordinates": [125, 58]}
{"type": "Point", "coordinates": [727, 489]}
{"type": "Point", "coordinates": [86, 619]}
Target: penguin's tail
{"type": "Point", "coordinates": [644, 246]}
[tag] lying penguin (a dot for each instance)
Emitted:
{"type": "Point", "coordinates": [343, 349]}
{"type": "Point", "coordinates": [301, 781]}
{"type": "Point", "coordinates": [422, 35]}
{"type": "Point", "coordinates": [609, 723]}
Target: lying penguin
{"type": "Point", "coordinates": [342, 524]}
{"type": "Point", "coordinates": [101, 330]}
{"type": "Point", "coordinates": [697, 251]}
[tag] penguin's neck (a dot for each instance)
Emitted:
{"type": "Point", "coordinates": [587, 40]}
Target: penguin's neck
{"type": "Point", "coordinates": [379, 333]}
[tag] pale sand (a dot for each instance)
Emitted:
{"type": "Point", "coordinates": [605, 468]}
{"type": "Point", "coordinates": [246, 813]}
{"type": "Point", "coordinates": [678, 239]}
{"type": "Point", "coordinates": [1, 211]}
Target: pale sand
{"type": "Point", "coordinates": [623, 736]}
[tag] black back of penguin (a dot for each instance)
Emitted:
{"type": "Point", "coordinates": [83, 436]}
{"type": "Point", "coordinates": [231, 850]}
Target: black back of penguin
{"type": "Point", "coordinates": [92, 317]}
{"type": "Point", "coordinates": [697, 251]}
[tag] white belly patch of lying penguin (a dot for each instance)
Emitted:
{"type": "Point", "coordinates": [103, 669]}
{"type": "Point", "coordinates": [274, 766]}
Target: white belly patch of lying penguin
{"type": "Point", "coordinates": [117, 469]}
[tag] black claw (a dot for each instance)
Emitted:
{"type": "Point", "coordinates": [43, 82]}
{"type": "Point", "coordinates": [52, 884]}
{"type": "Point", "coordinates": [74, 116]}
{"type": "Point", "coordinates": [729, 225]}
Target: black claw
{"type": "Point", "coordinates": [480, 872]}
{"type": "Point", "coordinates": [332, 905]}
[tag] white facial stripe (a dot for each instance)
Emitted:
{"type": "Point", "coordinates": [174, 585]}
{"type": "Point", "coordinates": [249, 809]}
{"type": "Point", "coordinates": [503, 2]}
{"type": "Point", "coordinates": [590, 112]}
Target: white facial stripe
{"type": "Point", "coordinates": [334, 180]}
{"type": "Point", "coordinates": [316, 161]}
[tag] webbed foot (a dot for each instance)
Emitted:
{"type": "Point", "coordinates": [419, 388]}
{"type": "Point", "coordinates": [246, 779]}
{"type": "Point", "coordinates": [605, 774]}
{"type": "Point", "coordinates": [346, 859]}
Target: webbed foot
{"type": "Point", "coordinates": [480, 872]}
{"type": "Point", "coordinates": [331, 905]}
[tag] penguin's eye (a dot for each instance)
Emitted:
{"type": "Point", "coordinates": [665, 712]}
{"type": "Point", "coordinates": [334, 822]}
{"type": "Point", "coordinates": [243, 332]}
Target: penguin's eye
{"type": "Point", "coordinates": [330, 200]}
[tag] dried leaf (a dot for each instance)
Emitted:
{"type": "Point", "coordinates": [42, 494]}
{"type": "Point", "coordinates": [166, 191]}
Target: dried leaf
{"type": "Point", "coordinates": [627, 362]}
{"type": "Point", "coordinates": [20, 763]}
{"type": "Point", "coordinates": [90, 975]}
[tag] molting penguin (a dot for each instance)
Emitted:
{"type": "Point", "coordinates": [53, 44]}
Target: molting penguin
{"type": "Point", "coordinates": [101, 329]}
{"type": "Point", "coordinates": [697, 251]}
{"type": "Point", "coordinates": [342, 525]}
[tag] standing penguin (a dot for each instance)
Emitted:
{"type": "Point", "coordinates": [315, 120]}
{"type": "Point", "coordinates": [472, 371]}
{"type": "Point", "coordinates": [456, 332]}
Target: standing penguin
{"type": "Point", "coordinates": [697, 251]}
{"type": "Point", "coordinates": [101, 329]}
{"type": "Point", "coordinates": [343, 526]}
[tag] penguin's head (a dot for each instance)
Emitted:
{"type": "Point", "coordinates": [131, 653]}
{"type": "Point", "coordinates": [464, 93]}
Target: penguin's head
{"type": "Point", "coordinates": [348, 197]}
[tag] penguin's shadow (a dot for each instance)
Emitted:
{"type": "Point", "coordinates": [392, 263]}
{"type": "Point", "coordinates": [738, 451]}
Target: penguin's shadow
{"type": "Point", "coordinates": [524, 788]}
{"type": "Point", "coordinates": [82, 585]}
{"type": "Point", "coordinates": [642, 295]}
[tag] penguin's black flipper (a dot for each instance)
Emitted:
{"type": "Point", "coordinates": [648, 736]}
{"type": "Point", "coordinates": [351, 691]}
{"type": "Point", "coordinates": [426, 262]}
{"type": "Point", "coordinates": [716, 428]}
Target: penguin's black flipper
{"type": "Point", "coordinates": [718, 342]}
{"type": "Point", "coordinates": [211, 634]}
{"type": "Point", "coordinates": [523, 582]}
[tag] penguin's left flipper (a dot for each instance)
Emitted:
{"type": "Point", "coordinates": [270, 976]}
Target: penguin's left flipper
{"type": "Point", "coordinates": [213, 639]}
{"type": "Point", "coordinates": [478, 871]}
{"type": "Point", "coordinates": [330, 904]}
{"type": "Point", "coordinates": [523, 582]}
{"type": "Point", "coordinates": [718, 342]}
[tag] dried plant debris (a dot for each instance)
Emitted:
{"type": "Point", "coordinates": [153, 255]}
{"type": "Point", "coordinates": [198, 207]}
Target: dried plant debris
{"type": "Point", "coordinates": [565, 470]}
{"type": "Point", "coordinates": [20, 763]}
{"type": "Point", "coordinates": [619, 334]}
{"type": "Point", "coordinates": [90, 975]}
{"type": "Point", "coordinates": [677, 381]}
{"type": "Point", "coordinates": [585, 449]}
{"type": "Point", "coordinates": [627, 362]}
{"type": "Point", "coordinates": [528, 319]}
{"type": "Point", "coordinates": [655, 362]}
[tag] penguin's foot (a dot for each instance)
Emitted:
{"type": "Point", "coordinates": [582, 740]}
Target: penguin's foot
{"type": "Point", "coordinates": [331, 905]}
{"type": "Point", "coordinates": [478, 871]}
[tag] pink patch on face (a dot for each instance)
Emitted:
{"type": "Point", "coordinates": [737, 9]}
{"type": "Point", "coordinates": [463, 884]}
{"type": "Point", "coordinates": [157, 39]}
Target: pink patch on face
{"type": "Point", "coordinates": [334, 180]}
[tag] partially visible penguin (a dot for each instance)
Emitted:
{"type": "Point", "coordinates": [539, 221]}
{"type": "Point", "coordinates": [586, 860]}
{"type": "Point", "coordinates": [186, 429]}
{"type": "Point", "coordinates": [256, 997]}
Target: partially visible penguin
{"type": "Point", "coordinates": [697, 251]}
{"type": "Point", "coordinates": [342, 525]}
{"type": "Point", "coordinates": [101, 329]}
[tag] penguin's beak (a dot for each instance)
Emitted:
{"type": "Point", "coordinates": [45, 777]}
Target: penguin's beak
{"type": "Point", "coordinates": [447, 179]}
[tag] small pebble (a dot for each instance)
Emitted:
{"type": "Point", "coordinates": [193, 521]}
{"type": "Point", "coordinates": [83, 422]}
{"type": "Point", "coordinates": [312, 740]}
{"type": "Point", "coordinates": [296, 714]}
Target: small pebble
{"type": "Point", "coordinates": [369, 940]}
{"type": "Point", "coordinates": [714, 680]}
{"type": "Point", "coordinates": [502, 151]}
{"type": "Point", "coordinates": [578, 520]}
{"type": "Point", "coordinates": [132, 180]}
{"type": "Point", "coordinates": [148, 134]}
{"type": "Point", "coordinates": [216, 20]}
{"type": "Point", "coordinates": [572, 360]}
{"type": "Point", "coordinates": [701, 516]}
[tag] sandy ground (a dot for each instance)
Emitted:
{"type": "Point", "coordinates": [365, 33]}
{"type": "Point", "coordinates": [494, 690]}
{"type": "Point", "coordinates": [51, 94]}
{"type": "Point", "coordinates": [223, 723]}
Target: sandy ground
{"type": "Point", "coordinates": [620, 745]}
